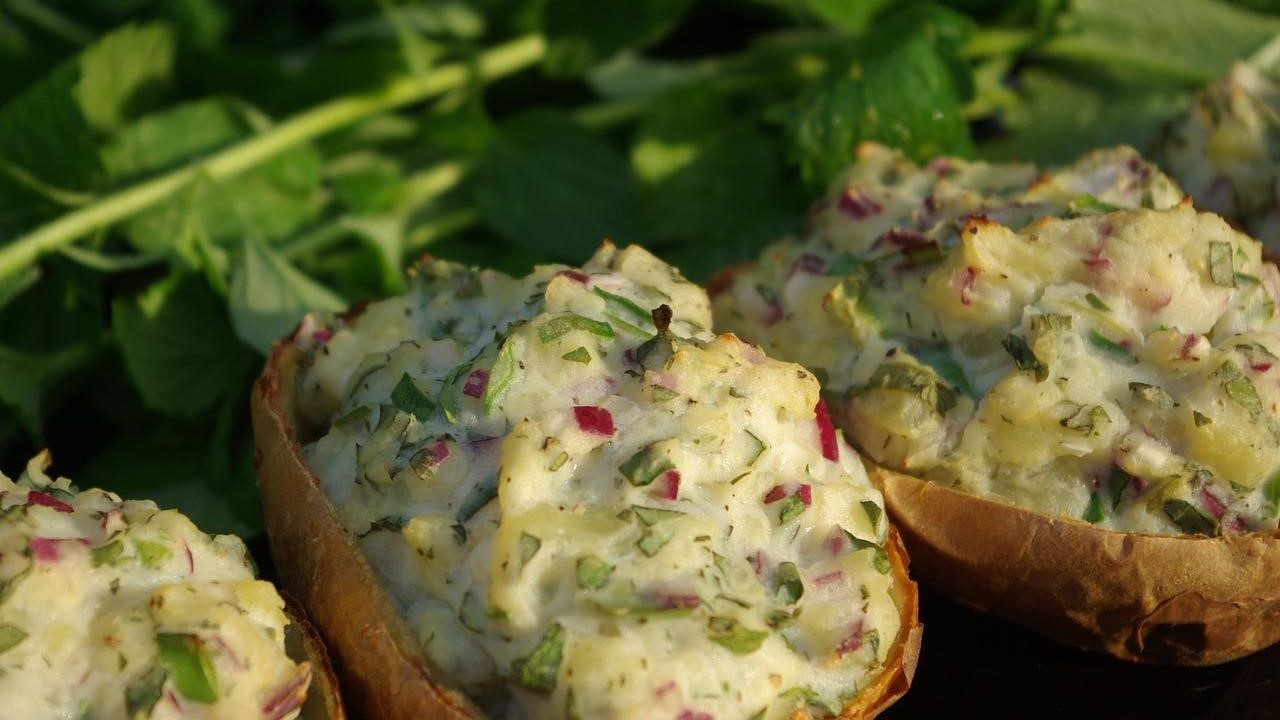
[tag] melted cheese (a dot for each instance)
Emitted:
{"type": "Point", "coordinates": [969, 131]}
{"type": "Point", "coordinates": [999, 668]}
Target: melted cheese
{"type": "Point", "coordinates": [585, 517]}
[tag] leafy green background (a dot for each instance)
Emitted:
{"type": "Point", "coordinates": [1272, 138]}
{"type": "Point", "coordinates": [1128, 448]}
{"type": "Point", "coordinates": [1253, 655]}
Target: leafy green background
{"type": "Point", "coordinates": [129, 339]}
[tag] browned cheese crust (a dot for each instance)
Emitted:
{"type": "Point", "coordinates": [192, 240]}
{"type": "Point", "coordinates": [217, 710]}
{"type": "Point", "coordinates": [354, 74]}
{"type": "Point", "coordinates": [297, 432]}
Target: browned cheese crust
{"type": "Point", "coordinates": [382, 672]}
{"type": "Point", "coordinates": [1148, 598]}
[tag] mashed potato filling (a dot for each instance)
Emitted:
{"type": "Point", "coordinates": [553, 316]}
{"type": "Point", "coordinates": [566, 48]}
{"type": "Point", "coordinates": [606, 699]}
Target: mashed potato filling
{"type": "Point", "coordinates": [116, 609]}
{"type": "Point", "coordinates": [589, 507]}
{"type": "Point", "coordinates": [1028, 338]}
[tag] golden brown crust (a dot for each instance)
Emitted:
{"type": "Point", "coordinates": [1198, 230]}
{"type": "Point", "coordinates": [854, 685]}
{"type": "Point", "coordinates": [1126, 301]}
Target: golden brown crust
{"type": "Point", "coordinates": [1149, 598]}
{"type": "Point", "coordinates": [302, 642]}
{"type": "Point", "coordinates": [382, 671]}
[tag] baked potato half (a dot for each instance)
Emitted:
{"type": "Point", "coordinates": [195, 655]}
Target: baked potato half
{"type": "Point", "coordinates": [378, 655]}
{"type": "Point", "coordinates": [1060, 436]}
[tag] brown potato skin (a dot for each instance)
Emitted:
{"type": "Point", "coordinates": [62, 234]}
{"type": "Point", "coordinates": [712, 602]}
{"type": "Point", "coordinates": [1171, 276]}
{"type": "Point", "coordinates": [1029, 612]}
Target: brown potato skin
{"type": "Point", "coordinates": [383, 674]}
{"type": "Point", "coordinates": [302, 643]}
{"type": "Point", "coordinates": [1186, 600]}
{"type": "Point", "coordinates": [1181, 600]}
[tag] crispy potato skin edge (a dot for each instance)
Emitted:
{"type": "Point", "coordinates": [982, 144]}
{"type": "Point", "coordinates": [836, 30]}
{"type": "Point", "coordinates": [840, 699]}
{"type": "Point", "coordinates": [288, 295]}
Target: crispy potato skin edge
{"type": "Point", "coordinates": [303, 643]}
{"type": "Point", "coordinates": [375, 654]}
{"type": "Point", "coordinates": [1172, 599]}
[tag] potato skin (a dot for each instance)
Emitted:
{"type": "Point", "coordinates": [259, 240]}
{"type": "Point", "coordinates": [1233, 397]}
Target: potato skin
{"type": "Point", "coordinates": [383, 673]}
{"type": "Point", "coordinates": [302, 642]}
{"type": "Point", "coordinates": [1183, 600]}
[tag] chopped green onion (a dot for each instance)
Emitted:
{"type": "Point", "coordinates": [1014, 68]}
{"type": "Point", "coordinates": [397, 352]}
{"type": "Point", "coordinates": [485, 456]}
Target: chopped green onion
{"type": "Point", "coordinates": [1089, 202]}
{"type": "Point", "coordinates": [1096, 303]}
{"type": "Point", "coordinates": [152, 554]}
{"type": "Point", "coordinates": [1221, 265]}
{"type": "Point", "coordinates": [880, 559]}
{"type": "Point", "coordinates": [106, 554]}
{"type": "Point", "coordinates": [1024, 357]}
{"type": "Point", "coordinates": [357, 415]}
{"type": "Point", "coordinates": [1049, 322]}
{"type": "Point", "coordinates": [500, 375]}
{"type": "Point", "coordinates": [620, 305]}
{"type": "Point", "coordinates": [564, 324]}
{"type": "Point", "coordinates": [731, 635]}
{"type": "Point", "coordinates": [482, 493]}
{"type": "Point", "coordinates": [142, 694]}
{"type": "Point", "coordinates": [1189, 518]}
{"type": "Point", "coordinates": [593, 572]}
{"type": "Point", "coordinates": [917, 380]}
{"type": "Point", "coordinates": [649, 516]}
{"type": "Point", "coordinates": [1153, 394]}
{"type": "Point", "coordinates": [792, 507]}
{"type": "Point", "coordinates": [188, 666]}
{"type": "Point", "coordinates": [539, 670]}
{"type": "Point", "coordinates": [661, 394]}
{"type": "Point", "coordinates": [787, 586]}
{"type": "Point", "coordinates": [1271, 491]}
{"type": "Point", "coordinates": [578, 355]}
{"type": "Point", "coordinates": [1200, 418]}
{"type": "Point", "coordinates": [1116, 483]}
{"type": "Point", "coordinates": [1109, 346]}
{"type": "Point", "coordinates": [407, 397]}
{"type": "Point", "coordinates": [1238, 387]}
{"type": "Point", "coordinates": [627, 327]}
{"type": "Point", "coordinates": [939, 358]}
{"type": "Point", "coordinates": [645, 466]}
{"type": "Point", "coordinates": [1087, 422]}
{"type": "Point", "coordinates": [873, 512]}
{"type": "Point", "coordinates": [653, 540]}
{"type": "Point", "coordinates": [559, 461]}
{"type": "Point", "coordinates": [1247, 279]}
{"type": "Point", "coordinates": [1094, 514]}
{"type": "Point", "coordinates": [451, 393]}
{"type": "Point", "coordinates": [10, 637]}
{"type": "Point", "coordinates": [529, 546]}
{"type": "Point", "coordinates": [760, 447]}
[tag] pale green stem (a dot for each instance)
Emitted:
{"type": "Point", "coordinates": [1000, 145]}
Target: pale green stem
{"type": "Point", "coordinates": [300, 128]}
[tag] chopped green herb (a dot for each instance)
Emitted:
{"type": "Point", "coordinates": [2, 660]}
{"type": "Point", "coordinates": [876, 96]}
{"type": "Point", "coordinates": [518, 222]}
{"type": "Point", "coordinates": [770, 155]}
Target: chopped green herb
{"type": "Point", "coordinates": [916, 380]}
{"type": "Point", "coordinates": [1089, 202]}
{"type": "Point", "coordinates": [1200, 418]}
{"type": "Point", "coordinates": [1096, 303]}
{"type": "Point", "coordinates": [578, 355]}
{"type": "Point", "coordinates": [571, 707]}
{"type": "Point", "coordinates": [1152, 394]}
{"type": "Point", "coordinates": [152, 554]}
{"type": "Point", "coordinates": [8, 586]}
{"type": "Point", "coordinates": [593, 572]}
{"type": "Point", "coordinates": [628, 328]}
{"type": "Point", "coordinates": [1116, 483]}
{"type": "Point", "coordinates": [10, 637]}
{"type": "Point", "coordinates": [408, 398]}
{"type": "Point", "coordinates": [142, 694]}
{"type": "Point", "coordinates": [1094, 514]}
{"type": "Point", "coordinates": [880, 558]}
{"type": "Point", "coordinates": [940, 358]}
{"type": "Point", "coordinates": [645, 466]}
{"type": "Point", "coordinates": [1024, 357]}
{"type": "Point", "coordinates": [810, 698]}
{"type": "Point", "coordinates": [564, 324]}
{"type": "Point", "coordinates": [539, 670]}
{"type": "Point", "coordinates": [733, 636]}
{"type": "Point", "coordinates": [1189, 518]}
{"type": "Point", "coordinates": [622, 306]}
{"type": "Point", "coordinates": [1238, 387]}
{"type": "Point", "coordinates": [873, 512]}
{"type": "Point", "coordinates": [106, 554]}
{"type": "Point", "coordinates": [760, 447]}
{"type": "Point", "coordinates": [1112, 348]}
{"type": "Point", "coordinates": [1221, 265]}
{"type": "Point", "coordinates": [661, 394]}
{"type": "Point", "coordinates": [649, 516]}
{"type": "Point", "coordinates": [188, 666]}
{"type": "Point", "coordinates": [653, 540]}
{"type": "Point", "coordinates": [482, 493]}
{"type": "Point", "coordinates": [1086, 422]}
{"type": "Point", "coordinates": [451, 391]}
{"type": "Point", "coordinates": [1049, 322]}
{"type": "Point", "coordinates": [357, 415]}
{"type": "Point", "coordinates": [792, 507]}
{"type": "Point", "coordinates": [1271, 491]}
{"type": "Point", "coordinates": [500, 375]}
{"type": "Point", "coordinates": [559, 461]}
{"type": "Point", "coordinates": [787, 586]}
{"type": "Point", "coordinates": [1247, 279]}
{"type": "Point", "coordinates": [529, 546]}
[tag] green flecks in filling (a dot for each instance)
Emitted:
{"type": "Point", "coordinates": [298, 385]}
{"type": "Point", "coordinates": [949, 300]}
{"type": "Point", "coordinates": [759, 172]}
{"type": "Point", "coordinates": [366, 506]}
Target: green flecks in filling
{"type": "Point", "coordinates": [1221, 265]}
{"type": "Point", "coordinates": [143, 692]}
{"type": "Point", "coordinates": [661, 394]}
{"type": "Point", "coordinates": [880, 558]}
{"type": "Point", "coordinates": [10, 637]}
{"type": "Point", "coordinates": [1092, 204]}
{"type": "Point", "coordinates": [788, 588]}
{"type": "Point", "coordinates": [539, 670]}
{"type": "Point", "coordinates": [1189, 518]}
{"type": "Point", "coordinates": [564, 324]}
{"type": "Point", "coordinates": [1271, 490]}
{"type": "Point", "coordinates": [451, 391]}
{"type": "Point", "coordinates": [1024, 358]}
{"type": "Point", "coordinates": [1152, 394]}
{"type": "Point", "coordinates": [578, 355]}
{"type": "Point", "coordinates": [1200, 418]}
{"type": "Point", "coordinates": [1094, 513]}
{"type": "Point", "coordinates": [188, 666]}
{"type": "Point", "coordinates": [1089, 421]}
{"type": "Point", "coordinates": [500, 375]}
{"type": "Point", "coordinates": [619, 305]}
{"type": "Point", "coordinates": [529, 546]}
{"type": "Point", "coordinates": [939, 358]}
{"type": "Point", "coordinates": [791, 508]}
{"type": "Point", "coordinates": [806, 697]}
{"type": "Point", "coordinates": [407, 397]}
{"type": "Point", "coordinates": [645, 466]}
{"type": "Point", "coordinates": [649, 515]}
{"type": "Point", "coordinates": [152, 554]}
{"type": "Point", "coordinates": [873, 512]}
{"type": "Point", "coordinates": [357, 416]}
{"type": "Point", "coordinates": [1238, 387]}
{"type": "Point", "coordinates": [106, 554]}
{"type": "Point", "coordinates": [1110, 347]}
{"type": "Point", "coordinates": [482, 493]}
{"type": "Point", "coordinates": [1117, 481]}
{"type": "Point", "coordinates": [1096, 303]}
{"type": "Point", "coordinates": [735, 637]}
{"type": "Point", "coordinates": [759, 447]}
{"type": "Point", "coordinates": [593, 573]}
{"type": "Point", "coordinates": [1050, 322]}
{"type": "Point", "coordinates": [8, 586]}
{"type": "Point", "coordinates": [559, 461]}
{"type": "Point", "coordinates": [653, 540]}
{"type": "Point", "coordinates": [915, 380]}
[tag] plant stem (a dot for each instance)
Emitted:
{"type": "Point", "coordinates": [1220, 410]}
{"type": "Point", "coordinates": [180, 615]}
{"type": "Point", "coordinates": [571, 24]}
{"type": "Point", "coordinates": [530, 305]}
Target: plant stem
{"type": "Point", "coordinates": [307, 125]}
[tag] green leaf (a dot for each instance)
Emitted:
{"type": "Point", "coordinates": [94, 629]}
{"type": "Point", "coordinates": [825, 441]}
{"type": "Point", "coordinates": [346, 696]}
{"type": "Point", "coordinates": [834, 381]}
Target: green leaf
{"type": "Point", "coordinates": [539, 670]}
{"type": "Point", "coordinates": [581, 33]}
{"type": "Point", "coordinates": [593, 572]}
{"type": "Point", "coordinates": [30, 383]}
{"type": "Point", "coordinates": [10, 637]}
{"type": "Point", "coordinates": [905, 96]}
{"type": "Point", "coordinates": [143, 692]}
{"type": "Point", "coordinates": [268, 201]}
{"type": "Point", "coordinates": [179, 346]}
{"type": "Point", "coordinates": [554, 187]}
{"type": "Point", "coordinates": [1189, 41]}
{"type": "Point", "coordinates": [846, 15]}
{"type": "Point", "coordinates": [734, 637]}
{"type": "Point", "coordinates": [269, 296]}
{"type": "Point", "coordinates": [122, 72]}
{"type": "Point", "coordinates": [407, 397]}
{"type": "Point", "coordinates": [367, 183]}
{"type": "Point", "coordinates": [188, 666]}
